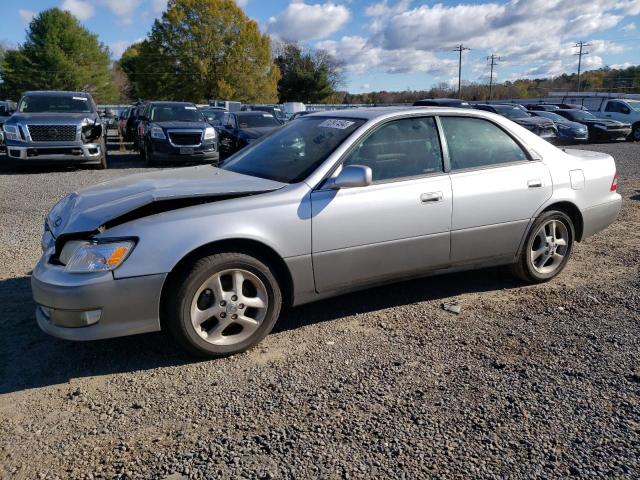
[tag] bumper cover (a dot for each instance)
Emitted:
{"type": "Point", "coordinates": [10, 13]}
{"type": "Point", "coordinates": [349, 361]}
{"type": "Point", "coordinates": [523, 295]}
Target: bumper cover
{"type": "Point", "coordinates": [108, 307]}
{"type": "Point", "coordinates": [599, 217]}
{"type": "Point", "coordinates": [89, 152]}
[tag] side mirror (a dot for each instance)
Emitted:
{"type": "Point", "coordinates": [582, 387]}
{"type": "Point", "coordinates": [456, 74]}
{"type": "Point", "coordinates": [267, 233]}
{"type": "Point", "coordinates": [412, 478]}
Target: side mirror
{"type": "Point", "coordinates": [352, 176]}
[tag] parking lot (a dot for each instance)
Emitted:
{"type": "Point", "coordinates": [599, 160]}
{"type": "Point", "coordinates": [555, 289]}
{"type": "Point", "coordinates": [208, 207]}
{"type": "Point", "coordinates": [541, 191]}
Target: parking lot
{"type": "Point", "coordinates": [535, 381]}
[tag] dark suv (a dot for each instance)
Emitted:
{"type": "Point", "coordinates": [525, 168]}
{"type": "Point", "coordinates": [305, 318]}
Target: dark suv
{"type": "Point", "coordinates": [54, 127]}
{"type": "Point", "coordinates": [176, 131]}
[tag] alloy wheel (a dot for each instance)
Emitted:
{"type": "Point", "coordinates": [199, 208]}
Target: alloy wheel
{"type": "Point", "coordinates": [229, 307]}
{"type": "Point", "coordinates": [549, 247]}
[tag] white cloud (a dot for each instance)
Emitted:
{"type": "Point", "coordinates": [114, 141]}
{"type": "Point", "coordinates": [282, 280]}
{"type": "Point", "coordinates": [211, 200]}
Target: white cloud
{"type": "Point", "coordinates": [123, 9]}
{"type": "Point", "coordinates": [158, 6]}
{"type": "Point", "coordinates": [630, 27]}
{"type": "Point", "coordinates": [242, 3]}
{"type": "Point", "coordinates": [382, 9]}
{"type": "Point", "coordinates": [360, 57]}
{"type": "Point", "coordinates": [534, 34]}
{"type": "Point", "coordinates": [301, 21]}
{"type": "Point", "coordinates": [26, 15]}
{"type": "Point", "coordinates": [118, 48]}
{"type": "Point", "coordinates": [622, 66]}
{"type": "Point", "coordinates": [81, 9]}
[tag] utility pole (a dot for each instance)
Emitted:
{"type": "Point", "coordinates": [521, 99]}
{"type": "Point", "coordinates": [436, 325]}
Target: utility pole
{"type": "Point", "coordinates": [460, 48]}
{"type": "Point", "coordinates": [493, 59]}
{"type": "Point", "coordinates": [580, 45]}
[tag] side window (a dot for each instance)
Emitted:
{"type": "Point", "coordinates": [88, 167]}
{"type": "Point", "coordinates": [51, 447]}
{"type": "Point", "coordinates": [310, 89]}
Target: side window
{"type": "Point", "coordinates": [613, 107]}
{"type": "Point", "coordinates": [402, 148]}
{"type": "Point", "coordinates": [474, 143]}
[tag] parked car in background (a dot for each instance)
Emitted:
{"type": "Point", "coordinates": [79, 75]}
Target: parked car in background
{"type": "Point", "coordinates": [568, 131]}
{"type": "Point", "coordinates": [239, 129]}
{"type": "Point", "coordinates": [176, 131]}
{"type": "Point", "coordinates": [623, 110]}
{"type": "Point", "coordinates": [330, 203]}
{"type": "Point", "coordinates": [213, 115]}
{"type": "Point", "coordinates": [7, 108]}
{"type": "Point", "coordinates": [109, 118]}
{"type": "Point", "coordinates": [272, 109]}
{"type": "Point", "coordinates": [541, 107]}
{"type": "Point", "coordinates": [442, 102]}
{"type": "Point", "coordinates": [131, 125]}
{"type": "Point", "coordinates": [122, 121]}
{"type": "Point", "coordinates": [599, 128]}
{"type": "Point", "coordinates": [56, 127]}
{"type": "Point", "coordinates": [542, 127]}
{"type": "Point", "coordinates": [299, 114]}
{"type": "Point", "coordinates": [571, 106]}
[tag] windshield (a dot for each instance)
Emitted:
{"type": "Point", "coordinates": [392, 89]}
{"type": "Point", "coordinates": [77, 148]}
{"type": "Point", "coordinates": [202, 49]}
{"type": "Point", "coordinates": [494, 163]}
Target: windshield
{"type": "Point", "coordinates": [257, 120]}
{"type": "Point", "coordinates": [293, 152]}
{"type": "Point", "coordinates": [175, 113]}
{"type": "Point", "coordinates": [512, 112]}
{"type": "Point", "coordinates": [55, 104]}
{"type": "Point", "coordinates": [214, 115]}
{"type": "Point", "coordinates": [635, 104]}
{"type": "Point", "coordinates": [581, 115]}
{"type": "Point", "coordinates": [552, 116]}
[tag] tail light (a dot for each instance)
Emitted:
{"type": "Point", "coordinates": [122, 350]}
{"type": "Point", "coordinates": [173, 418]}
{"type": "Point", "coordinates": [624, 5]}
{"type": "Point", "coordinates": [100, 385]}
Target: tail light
{"type": "Point", "coordinates": [614, 183]}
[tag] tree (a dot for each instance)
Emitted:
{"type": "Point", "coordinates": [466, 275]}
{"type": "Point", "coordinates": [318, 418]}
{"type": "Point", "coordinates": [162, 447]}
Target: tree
{"type": "Point", "coordinates": [307, 76]}
{"type": "Point", "coordinates": [203, 49]}
{"type": "Point", "coordinates": [58, 54]}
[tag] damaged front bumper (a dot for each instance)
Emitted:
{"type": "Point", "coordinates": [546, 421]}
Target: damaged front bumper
{"type": "Point", "coordinates": [92, 306]}
{"type": "Point", "coordinates": [85, 153]}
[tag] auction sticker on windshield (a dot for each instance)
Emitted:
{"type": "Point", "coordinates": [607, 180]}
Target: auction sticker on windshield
{"type": "Point", "coordinates": [335, 123]}
{"type": "Point", "coordinates": [84, 99]}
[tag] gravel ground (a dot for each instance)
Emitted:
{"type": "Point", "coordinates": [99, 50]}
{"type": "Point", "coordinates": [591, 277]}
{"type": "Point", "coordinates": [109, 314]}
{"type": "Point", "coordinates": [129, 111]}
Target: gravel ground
{"type": "Point", "coordinates": [539, 381]}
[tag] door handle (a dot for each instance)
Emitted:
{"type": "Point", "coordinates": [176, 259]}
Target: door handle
{"type": "Point", "coordinates": [431, 197]}
{"type": "Point", "coordinates": [536, 183]}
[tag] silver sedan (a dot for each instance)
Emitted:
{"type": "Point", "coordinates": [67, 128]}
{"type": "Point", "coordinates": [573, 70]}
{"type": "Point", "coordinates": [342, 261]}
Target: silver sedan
{"type": "Point", "coordinates": [330, 203]}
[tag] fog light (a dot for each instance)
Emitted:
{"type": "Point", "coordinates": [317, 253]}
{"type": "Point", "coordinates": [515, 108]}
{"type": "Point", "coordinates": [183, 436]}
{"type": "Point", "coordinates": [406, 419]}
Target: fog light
{"type": "Point", "coordinates": [70, 318]}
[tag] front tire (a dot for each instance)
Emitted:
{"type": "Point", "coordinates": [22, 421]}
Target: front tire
{"type": "Point", "coordinates": [547, 248]}
{"type": "Point", "coordinates": [102, 165]}
{"type": "Point", "coordinates": [635, 133]}
{"type": "Point", "coordinates": [222, 304]}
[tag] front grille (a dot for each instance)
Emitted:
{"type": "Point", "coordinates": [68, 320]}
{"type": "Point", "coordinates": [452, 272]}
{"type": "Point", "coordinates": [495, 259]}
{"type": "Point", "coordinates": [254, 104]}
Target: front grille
{"type": "Point", "coordinates": [52, 133]}
{"type": "Point", "coordinates": [178, 138]}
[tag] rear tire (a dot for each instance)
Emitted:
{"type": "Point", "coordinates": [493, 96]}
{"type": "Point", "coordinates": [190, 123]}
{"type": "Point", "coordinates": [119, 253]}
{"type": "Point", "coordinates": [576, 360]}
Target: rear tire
{"type": "Point", "coordinates": [547, 248]}
{"type": "Point", "coordinates": [221, 304]}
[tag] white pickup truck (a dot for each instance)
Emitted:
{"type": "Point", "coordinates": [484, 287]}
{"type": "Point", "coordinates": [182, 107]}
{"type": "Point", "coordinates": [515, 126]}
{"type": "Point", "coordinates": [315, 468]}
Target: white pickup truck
{"type": "Point", "coordinates": [623, 110]}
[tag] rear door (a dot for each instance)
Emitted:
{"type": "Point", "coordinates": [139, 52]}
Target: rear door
{"type": "Point", "coordinates": [496, 188]}
{"type": "Point", "coordinates": [397, 226]}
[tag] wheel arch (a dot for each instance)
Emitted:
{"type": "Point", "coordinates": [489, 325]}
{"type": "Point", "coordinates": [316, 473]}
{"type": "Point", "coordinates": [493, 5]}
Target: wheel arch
{"type": "Point", "coordinates": [251, 247]}
{"type": "Point", "coordinates": [573, 212]}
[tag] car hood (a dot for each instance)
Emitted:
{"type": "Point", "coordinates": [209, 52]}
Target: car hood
{"type": "Point", "coordinates": [534, 121]}
{"type": "Point", "coordinates": [62, 118]}
{"type": "Point", "coordinates": [258, 131]}
{"type": "Point", "coordinates": [180, 125]}
{"type": "Point", "coordinates": [603, 121]}
{"type": "Point", "coordinates": [90, 209]}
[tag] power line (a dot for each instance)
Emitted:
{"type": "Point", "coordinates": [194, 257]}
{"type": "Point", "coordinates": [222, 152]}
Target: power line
{"type": "Point", "coordinates": [460, 48]}
{"type": "Point", "coordinates": [580, 45]}
{"type": "Point", "coordinates": [493, 59]}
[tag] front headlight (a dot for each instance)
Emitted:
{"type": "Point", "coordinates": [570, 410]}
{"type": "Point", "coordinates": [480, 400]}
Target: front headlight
{"type": "Point", "coordinates": [209, 133]}
{"type": "Point", "coordinates": [82, 256]}
{"type": "Point", "coordinates": [158, 133]}
{"type": "Point", "coordinates": [11, 132]}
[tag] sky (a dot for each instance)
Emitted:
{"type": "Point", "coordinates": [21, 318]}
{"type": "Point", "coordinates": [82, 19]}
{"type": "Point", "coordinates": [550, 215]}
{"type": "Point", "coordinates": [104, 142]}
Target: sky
{"type": "Point", "coordinates": [398, 44]}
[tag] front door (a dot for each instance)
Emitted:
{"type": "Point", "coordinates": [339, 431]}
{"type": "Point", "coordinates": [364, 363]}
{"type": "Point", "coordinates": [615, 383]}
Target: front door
{"type": "Point", "coordinates": [496, 188]}
{"type": "Point", "coordinates": [396, 227]}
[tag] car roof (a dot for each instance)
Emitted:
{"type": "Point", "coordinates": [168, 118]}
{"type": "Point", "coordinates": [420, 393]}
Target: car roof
{"type": "Point", "coordinates": [57, 92]}
{"type": "Point", "coordinates": [169, 104]}
{"type": "Point", "coordinates": [371, 113]}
